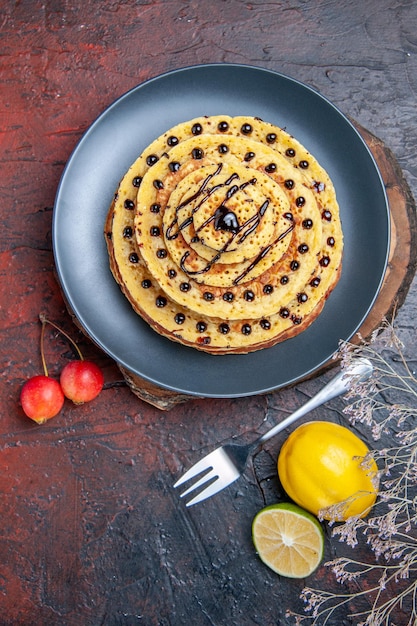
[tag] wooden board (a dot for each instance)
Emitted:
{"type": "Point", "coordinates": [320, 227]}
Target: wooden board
{"type": "Point", "coordinates": [398, 277]}
{"type": "Point", "coordinates": [402, 261]}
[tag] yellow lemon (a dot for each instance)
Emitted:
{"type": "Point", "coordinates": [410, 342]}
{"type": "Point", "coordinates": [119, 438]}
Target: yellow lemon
{"type": "Point", "coordinates": [321, 465]}
{"type": "Point", "coordinates": [288, 539]}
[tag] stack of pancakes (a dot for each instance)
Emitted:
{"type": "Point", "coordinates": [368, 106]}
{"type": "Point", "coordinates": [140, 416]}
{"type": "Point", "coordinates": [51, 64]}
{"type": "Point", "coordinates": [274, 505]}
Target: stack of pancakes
{"type": "Point", "coordinates": [225, 235]}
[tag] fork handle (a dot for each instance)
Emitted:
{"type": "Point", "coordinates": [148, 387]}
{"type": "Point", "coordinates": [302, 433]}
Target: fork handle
{"type": "Point", "coordinates": [361, 370]}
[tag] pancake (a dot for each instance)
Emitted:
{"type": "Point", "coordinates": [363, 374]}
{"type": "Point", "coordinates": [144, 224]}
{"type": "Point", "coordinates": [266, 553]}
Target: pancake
{"type": "Point", "coordinates": [225, 235]}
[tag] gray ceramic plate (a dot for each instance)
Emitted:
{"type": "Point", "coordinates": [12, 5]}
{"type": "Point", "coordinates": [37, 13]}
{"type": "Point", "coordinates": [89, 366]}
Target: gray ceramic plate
{"type": "Point", "coordinates": [114, 141]}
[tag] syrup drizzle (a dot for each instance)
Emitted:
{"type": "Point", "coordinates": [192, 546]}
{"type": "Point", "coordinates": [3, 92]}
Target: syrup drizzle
{"type": "Point", "coordinates": [262, 255]}
{"type": "Point", "coordinates": [224, 219]}
{"type": "Point", "coordinates": [169, 232]}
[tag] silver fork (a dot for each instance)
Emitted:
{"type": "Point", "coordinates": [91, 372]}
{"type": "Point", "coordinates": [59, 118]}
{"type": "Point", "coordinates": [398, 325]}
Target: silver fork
{"type": "Point", "coordinates": [227, 463]}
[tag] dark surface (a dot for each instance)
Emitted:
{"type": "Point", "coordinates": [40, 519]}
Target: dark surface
{"type": "Point", "coordinates": [92, 532]}
{"type": "Point", "coordinates": [120, 134]}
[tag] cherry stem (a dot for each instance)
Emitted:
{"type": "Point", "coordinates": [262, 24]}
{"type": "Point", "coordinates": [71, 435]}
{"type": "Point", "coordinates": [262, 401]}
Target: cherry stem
{"type": "Point", "coordinates": [44, 320]}
{"type": "Point", "coordinates": [45, 369]}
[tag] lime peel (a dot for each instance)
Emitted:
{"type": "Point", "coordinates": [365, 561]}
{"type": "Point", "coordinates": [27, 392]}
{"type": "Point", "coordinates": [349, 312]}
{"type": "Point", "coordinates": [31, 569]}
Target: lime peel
{"type": "Point", "coordinates": [288, 539]}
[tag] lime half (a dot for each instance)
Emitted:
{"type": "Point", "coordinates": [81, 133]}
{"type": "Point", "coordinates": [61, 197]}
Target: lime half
{"type": "Point", "coordinates": [288, 539]}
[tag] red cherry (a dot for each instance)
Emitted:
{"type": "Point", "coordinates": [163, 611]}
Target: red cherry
{"type": "Point", "coordinates": [41, 398]}
{"type": "Point", "coordinates": [81, 381]}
